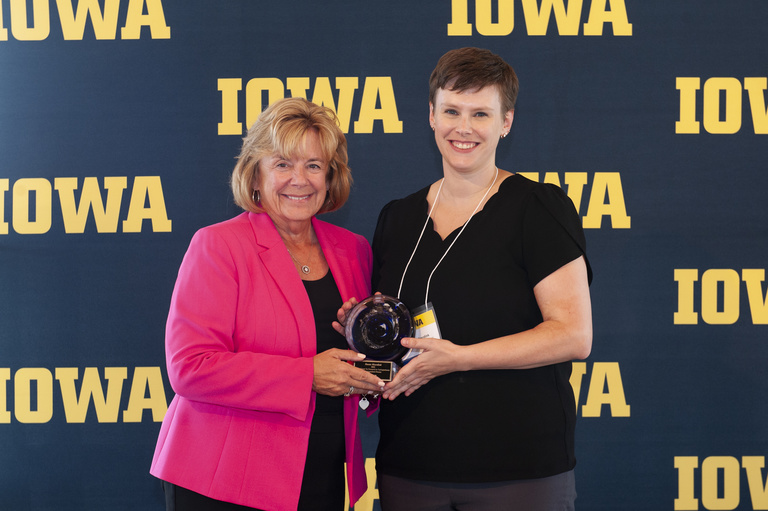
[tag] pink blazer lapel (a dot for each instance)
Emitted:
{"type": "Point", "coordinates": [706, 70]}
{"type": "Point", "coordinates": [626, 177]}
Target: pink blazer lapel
{"type": "Point", "coordinates": [278, 264]}
{"type": "Point", "coordinates": [336, 255]}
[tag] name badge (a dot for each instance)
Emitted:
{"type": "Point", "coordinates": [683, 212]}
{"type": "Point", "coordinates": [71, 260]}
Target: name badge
{"type": "Point", "coordinates": [425, 325]}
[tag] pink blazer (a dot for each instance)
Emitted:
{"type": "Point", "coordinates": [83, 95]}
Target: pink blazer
{"type": "Point", "coordinates": [239, 341]}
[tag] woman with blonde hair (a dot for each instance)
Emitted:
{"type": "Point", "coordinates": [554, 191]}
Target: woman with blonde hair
{"type": "Point", "coordinates": [265, 412]}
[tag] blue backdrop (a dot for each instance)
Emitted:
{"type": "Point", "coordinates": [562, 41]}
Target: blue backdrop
{"type": "Point", "coordinates": [119, 127]}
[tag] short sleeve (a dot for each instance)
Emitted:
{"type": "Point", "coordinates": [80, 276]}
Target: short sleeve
{"type": "Point", "coordinates": [552, 233]}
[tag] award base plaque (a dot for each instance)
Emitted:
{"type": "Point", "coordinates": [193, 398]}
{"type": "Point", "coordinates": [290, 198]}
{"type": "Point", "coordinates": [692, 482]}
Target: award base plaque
{"type": "Point", "coordinates": [384, 369]}
{"type": "Point", "coordinates": [375, 328]}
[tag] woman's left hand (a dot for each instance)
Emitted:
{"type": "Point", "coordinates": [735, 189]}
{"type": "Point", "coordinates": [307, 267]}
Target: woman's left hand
{"type": "Point", "coordinates": [439, 357]}
{"type": "Point", "coordinates": [341, 315]}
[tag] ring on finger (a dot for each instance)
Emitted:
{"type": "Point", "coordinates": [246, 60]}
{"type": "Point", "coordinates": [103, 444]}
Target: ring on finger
{"type": "Point", "coordinates": [349, 392]}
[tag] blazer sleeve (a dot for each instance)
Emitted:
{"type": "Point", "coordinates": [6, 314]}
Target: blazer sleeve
{"type": "Point", "coordinates": [211, 357]}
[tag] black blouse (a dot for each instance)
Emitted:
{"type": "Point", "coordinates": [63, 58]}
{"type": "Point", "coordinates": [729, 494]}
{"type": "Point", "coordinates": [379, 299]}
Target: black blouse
{"type": "Point", "coordinates": [325, 299]}
{"type": "Point", "coordinates": [491, 425]}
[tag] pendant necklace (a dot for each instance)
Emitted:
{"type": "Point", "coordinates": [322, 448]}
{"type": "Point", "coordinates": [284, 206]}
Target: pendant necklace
{"type": "Point", "coordinates": [304, 268]}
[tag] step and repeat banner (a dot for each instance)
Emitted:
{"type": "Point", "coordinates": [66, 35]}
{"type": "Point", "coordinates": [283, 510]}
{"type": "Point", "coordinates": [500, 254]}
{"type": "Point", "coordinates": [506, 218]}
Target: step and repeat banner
{"type": "Point", "coordinates": [120, 122]}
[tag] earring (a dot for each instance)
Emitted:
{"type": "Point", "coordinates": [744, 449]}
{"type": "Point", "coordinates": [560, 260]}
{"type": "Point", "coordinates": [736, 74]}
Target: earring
{"type": "Point", "coordinates": [256, 197]}
{"type": "Point", "coordinates": [432, 126]}
{"type": "Point", "coordinates": [503, 135]}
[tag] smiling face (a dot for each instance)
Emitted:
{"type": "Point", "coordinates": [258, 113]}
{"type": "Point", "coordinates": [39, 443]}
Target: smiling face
{"type": "Point", "coordinates": [293, 188]}
{"type": "Point", "coordinates": [468, 126]}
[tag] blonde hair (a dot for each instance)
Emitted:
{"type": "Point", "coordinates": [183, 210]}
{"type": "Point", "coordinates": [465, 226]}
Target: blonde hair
{"type": "Point", "coordinates": [280, 129]}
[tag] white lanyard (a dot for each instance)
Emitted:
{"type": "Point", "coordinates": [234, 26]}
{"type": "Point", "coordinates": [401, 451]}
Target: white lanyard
{"type": "Point", "coordinates": [402, 279]}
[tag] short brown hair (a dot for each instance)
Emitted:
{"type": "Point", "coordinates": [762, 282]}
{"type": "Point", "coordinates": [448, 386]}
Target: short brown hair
{"type": "Point", "coordinates": [280, 129]}
{"type": "Point", "coordinates": [470, 68]}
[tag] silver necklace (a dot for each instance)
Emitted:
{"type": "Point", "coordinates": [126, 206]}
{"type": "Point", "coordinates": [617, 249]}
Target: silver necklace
{"type": "Point", "coordinates": [304, 267]}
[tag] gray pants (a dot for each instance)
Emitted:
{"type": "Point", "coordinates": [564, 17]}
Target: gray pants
{"type": "Point", "coordinates": [556, 493]}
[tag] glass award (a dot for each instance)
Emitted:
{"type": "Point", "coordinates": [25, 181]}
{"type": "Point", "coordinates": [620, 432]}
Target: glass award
{"type": "Point", "coordinates": [375, 328]}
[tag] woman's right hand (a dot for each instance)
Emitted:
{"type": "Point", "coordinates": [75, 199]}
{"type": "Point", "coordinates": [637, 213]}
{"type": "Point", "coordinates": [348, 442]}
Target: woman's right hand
{"type": "Point", "coordinates": [335, 376]}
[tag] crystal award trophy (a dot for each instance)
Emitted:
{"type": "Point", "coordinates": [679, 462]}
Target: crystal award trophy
{"type": "Point", "coordinates": [375, 328]}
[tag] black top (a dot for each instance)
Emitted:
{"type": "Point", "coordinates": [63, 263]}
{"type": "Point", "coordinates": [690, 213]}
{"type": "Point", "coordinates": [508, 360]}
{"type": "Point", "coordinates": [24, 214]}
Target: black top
{"type": "Point", "coordinates": [326, 301]}
{"type": "Point", "coordinates": [491, 425]}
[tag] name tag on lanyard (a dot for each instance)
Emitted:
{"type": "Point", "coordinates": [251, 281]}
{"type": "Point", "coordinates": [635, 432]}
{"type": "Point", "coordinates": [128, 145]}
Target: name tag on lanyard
{"type": "Point", "coordinates": [425, 324]}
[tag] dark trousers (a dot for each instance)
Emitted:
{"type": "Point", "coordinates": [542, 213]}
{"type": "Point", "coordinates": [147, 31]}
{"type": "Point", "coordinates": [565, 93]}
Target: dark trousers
{"type": "Point", "coordinates": [556, 493]}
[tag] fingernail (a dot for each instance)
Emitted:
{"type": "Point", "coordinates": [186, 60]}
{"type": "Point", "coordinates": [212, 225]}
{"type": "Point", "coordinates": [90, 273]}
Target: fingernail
{"type": "Point", "coordinates": [361, 355]}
